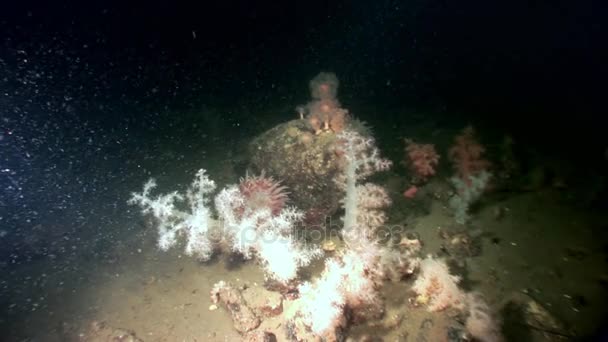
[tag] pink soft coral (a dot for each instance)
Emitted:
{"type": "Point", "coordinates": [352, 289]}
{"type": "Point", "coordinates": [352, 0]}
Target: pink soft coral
{"type": "Point", "coordinates": [467, 155]}
{"type": "Point", "coordinates": [422, 159]}
{"type": "Point", "coordinates": [324, 111]}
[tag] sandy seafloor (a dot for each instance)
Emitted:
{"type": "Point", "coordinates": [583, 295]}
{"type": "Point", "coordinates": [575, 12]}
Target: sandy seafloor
{"type": "Point", "coordinates": [543, 247]}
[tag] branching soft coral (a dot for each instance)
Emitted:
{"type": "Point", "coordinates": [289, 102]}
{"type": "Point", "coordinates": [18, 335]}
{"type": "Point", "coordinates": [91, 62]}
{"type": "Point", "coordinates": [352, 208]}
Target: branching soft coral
{"type": "Point", "coordinates": [436, 287]}
{"type": "Point", "coordinates": [319, 311]}
{"type": "Point", "coordinates": [270, 236]}
{"type": "Point", "coordinates": [467, 155]}
{"type": "Point", "coordinates": [282, 255]}
{"type": "Point", "coordinates": [467, 193]}
{"type": "Point", "coordinates": [361, 159]}
{"type": "Point", "coordinates": [421, 159]}
{"type": "Point", "coordinates": [253, 221]}
{"type": "Point", "coordinates": [193, 224]}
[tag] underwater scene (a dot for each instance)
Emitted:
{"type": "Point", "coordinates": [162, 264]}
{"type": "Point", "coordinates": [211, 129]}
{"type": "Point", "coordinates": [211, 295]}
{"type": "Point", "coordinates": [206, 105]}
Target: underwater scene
{"type": "Point", "coordinates": [319, 171]}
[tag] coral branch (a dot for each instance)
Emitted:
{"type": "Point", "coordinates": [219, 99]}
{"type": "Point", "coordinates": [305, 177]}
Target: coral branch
{"type": "Point", "coordinates": [361, 159]}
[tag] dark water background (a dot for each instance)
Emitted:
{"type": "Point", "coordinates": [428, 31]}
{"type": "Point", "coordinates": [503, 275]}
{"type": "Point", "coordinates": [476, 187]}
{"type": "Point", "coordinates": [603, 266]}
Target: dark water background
{"type": "Point", "coordinates": [97, 97]}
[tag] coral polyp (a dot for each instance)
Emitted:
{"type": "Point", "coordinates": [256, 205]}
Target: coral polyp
{"type": "Point", "coordinates": [263, 192]}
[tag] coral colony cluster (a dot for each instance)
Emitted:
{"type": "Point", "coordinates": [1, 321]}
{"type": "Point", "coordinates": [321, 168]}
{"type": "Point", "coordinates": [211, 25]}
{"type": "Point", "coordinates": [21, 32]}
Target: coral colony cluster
{"type": "Point", "coordinates": [471, 178]}
{"type": "Point", "coordinates": [324, 112]}
{"type": "Point", "coordinates": [253, 220]}
{"type": "Point", "coordinates": [351, 280]}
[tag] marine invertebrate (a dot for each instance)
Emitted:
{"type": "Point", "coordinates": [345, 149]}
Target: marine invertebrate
{"type": "Point", "coordinates": [361, 159]}
{"type": "Point", "coordinates": [467, 155]}
{"type": "Point", "coordinates": [254, 230]}
{"type": "Point", "coordinates": [351, 278]}
{"type": "Point", "coordinates": [421, 159]}
{"type": "Point", "coordinates": [261, 192]}
{"type": "Point", "coordinates": [364, 261]}
{"type": "Point", "coordinates": [283, 255]}
{"type": "Point", "coordinates": [372, 199]}
{"type": "Point", "coordinates": [324, 86]}
{"type": "Point", "coordinates": [345, 282]}
{"type": "Point", "coordinates": [467, 193]}
{"type": "Point", "coordinates": [253, 221]}
{"type": "Point", "coordinates": [324, 112]}
{"type": "Point", "coordinates": [319, 311]}
{"type": "Point", "coordinates": [194, 225]}
{"type": "Point", "coordinates": [410, 192]}
{"type": "Point", "coordinates": [436, 288]}
{"type": "Point", "coordinates": [305, 164]}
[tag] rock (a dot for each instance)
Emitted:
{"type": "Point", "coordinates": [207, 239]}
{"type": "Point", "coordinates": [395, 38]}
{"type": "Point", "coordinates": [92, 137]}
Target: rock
{"type": "Point", "coordinates": [265, 303]}
{"type": "Point", "coordinates": [526, 319]}
{"type": "Point", "coordinates": [305, 163]}
{"type": "Point", "coordinates": [273, 305]}
{"type": "Point", "coordinates": [243, 317]}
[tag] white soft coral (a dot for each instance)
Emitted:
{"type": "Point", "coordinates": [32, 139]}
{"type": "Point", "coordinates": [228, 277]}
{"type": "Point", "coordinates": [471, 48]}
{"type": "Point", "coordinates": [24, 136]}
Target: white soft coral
{"type": "Point", "coordinates": [270, 237]}
{"type": "Point", "coordinates": [249, 230]}
{"type": "Point", "coordinates": [283, 256]}
{"type": "Point", "coordinates": [237, 227]}
{"type": "Point", "coordinates": [320, 309]}
{"type": "Point", "coordinates": [361, 159]}
{"type": "Point", "coordinates": [193, 224]}
{"type": "Point", "coordinates": [436, 287]}
{"type": "Point", "coordinates": [345, 282]}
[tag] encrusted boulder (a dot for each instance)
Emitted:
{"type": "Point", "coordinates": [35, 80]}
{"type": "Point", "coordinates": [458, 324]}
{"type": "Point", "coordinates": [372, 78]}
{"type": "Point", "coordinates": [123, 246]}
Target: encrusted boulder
{"type": "Point", "coordinates": [304, 162]}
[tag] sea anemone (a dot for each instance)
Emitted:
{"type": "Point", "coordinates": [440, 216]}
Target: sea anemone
{"type": "Point", "coordinates": [263, 192]}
